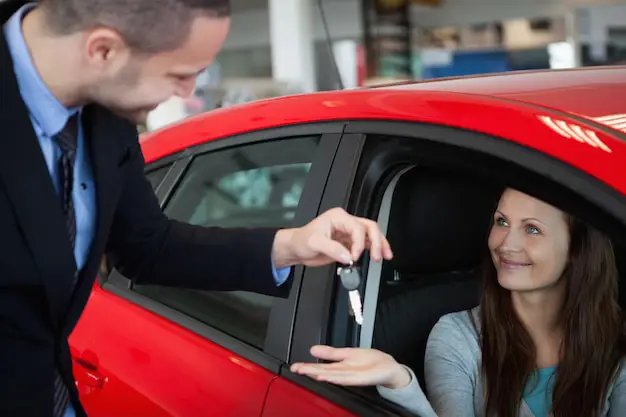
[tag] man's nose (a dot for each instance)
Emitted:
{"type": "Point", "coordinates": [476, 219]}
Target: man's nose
{"type": "Point", "coordinates": [186, 88]}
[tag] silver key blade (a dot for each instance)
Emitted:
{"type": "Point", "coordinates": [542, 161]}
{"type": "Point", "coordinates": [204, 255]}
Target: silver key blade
{"type": "Point", "coordinates": [355, 304]}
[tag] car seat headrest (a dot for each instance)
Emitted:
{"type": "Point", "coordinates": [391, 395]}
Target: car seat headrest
{"type": "Point", "coordinates": [439, 221]}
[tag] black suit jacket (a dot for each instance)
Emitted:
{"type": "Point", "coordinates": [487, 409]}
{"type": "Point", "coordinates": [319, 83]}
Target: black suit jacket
{"type": "Point", "coordinates": [38, 308]}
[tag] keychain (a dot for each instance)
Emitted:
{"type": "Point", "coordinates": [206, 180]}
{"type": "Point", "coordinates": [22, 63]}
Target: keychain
{"type": "Point", "coordinates": [351, 280]}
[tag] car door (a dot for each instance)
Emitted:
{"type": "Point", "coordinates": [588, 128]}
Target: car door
{"type": "Point", "coordinates": [145, 350]}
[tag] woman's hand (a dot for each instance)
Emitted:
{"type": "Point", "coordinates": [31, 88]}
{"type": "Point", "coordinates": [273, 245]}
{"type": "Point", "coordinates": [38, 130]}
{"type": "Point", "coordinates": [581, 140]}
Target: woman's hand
{"type": "Point", "coordinates": [354, 366]}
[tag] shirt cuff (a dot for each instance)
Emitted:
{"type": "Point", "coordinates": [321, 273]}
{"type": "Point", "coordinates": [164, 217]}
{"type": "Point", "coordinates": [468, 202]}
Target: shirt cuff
{"type": "Point", "coordinates": [280, 275]}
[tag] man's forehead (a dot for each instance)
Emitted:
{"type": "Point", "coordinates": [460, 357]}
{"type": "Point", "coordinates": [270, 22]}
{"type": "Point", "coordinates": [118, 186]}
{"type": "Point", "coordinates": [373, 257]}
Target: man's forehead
{"type": "Point", "coordinates": [206, 36]}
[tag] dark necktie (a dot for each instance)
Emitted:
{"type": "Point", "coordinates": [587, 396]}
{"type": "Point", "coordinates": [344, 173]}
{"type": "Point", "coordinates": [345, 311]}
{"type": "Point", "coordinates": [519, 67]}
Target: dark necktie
{"type": "Point", "coordinates": [67, 140]}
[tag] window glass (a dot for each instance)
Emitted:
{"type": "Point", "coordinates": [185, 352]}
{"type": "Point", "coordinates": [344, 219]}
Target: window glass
{"type": "Point", "coordinates": [257, 185]}
{"type": "Point", "coordinates": [259, 196]}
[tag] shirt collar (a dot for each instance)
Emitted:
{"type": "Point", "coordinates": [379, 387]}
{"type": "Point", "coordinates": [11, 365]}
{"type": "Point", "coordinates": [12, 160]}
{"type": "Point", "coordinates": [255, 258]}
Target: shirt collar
{"type": "Point", "coordinates": [44, 108]}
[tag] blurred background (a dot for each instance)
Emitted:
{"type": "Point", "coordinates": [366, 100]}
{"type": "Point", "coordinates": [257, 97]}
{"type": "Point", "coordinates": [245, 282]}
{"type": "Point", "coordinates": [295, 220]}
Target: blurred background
{"type": "Point", "coordinates": [281, 47]}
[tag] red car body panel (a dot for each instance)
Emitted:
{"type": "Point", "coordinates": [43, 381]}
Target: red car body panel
{"type": "Point", "coordinates": [287, 399]}
{"type": "Point", "coordinates": [188, 376]}
{"type": "Point", "coordinates": [553, 112]}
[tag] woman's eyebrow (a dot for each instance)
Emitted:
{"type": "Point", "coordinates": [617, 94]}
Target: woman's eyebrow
{"type": "Point", "coordinates": [534, 219]}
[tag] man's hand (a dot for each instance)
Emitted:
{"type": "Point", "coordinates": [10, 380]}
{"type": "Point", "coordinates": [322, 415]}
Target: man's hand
{"type": "Point", "coordinates": [334, 236]}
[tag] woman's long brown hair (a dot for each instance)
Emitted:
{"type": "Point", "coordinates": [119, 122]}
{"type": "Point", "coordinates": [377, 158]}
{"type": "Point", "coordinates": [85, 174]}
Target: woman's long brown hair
{"type": "Point", "coordinates": [593, 326]}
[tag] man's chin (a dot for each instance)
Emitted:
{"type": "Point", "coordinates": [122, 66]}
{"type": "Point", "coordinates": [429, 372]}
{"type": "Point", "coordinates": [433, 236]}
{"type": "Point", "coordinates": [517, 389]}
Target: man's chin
{"type": "Point", "coordinates": [134, 116]}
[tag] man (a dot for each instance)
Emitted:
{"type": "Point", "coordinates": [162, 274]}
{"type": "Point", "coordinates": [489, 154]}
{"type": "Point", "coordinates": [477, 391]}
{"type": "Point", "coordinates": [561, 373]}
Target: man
{"type": "Point", "coordinates": [75, 77]}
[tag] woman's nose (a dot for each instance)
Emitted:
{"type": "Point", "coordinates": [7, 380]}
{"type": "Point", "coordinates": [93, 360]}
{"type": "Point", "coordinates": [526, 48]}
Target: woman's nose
{"type": "Point", "coordinates": [512, 242]}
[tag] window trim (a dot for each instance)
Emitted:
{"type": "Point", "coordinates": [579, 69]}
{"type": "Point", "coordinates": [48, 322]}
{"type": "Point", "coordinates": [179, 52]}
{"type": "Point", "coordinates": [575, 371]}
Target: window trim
{"type": "Point", "coordinates": [281, 321]}
{"type": "Point", "coordinates": [152, 169]}
{"type": "Point", "coordinates": [318, 283]}
{"type": "Point", "coordinates": [313, 319]}
{"type": "Point", "coordinates": [374, 269]}
{"type": "Point", "coordinates": [173, 176]}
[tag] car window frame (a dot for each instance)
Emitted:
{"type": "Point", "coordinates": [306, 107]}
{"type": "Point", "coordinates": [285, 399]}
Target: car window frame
{"type": "Point", "coordinates": [281, 320]}
{"type": "Point", "coordinates": [177, 162]}
{"type": "Point", "coordinates": [152, 170]}
{"type": "Point", "coordinates": [198, 157]}
{"type": "Point", "coordinates": [313, 318]}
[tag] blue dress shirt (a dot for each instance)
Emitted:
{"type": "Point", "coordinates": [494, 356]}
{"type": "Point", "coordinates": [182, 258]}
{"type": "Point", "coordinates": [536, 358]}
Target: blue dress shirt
{"type": "Point", "coordinates": [48, 117]}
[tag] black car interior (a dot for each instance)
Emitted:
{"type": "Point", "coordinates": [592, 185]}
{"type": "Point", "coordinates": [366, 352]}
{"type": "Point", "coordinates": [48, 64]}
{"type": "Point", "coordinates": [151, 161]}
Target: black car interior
{"type": "Point", "coordinates": [438, 228]}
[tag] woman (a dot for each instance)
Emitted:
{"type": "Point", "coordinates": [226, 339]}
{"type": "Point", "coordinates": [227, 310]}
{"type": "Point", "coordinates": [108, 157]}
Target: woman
{"type": "Point", "coordinates": [548, 337]}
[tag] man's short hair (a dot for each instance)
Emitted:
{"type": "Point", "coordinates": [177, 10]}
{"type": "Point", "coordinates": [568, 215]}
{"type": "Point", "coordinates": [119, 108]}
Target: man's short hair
{"type": "Point", "coordinates": [147, 26]}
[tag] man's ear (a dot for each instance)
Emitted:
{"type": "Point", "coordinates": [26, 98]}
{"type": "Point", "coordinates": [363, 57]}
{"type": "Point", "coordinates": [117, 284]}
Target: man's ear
{"type": "Point", "coordinates": [105, 48]}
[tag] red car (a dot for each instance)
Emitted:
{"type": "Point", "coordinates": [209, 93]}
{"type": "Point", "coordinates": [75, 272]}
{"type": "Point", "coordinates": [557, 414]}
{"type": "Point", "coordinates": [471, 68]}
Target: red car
{"type": "Point", "coordinates": [424, 159]}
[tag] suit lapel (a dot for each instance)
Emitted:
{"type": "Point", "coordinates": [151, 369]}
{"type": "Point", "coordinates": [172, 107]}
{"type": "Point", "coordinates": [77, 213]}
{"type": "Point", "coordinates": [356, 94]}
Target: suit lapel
{"type": "Point", "coordinates": [29, 187]}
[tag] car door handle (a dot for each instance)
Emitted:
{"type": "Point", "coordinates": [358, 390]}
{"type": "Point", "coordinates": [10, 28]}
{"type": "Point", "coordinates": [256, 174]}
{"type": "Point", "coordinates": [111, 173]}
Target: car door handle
{"type": "Point", "coordinates": [86, 372]}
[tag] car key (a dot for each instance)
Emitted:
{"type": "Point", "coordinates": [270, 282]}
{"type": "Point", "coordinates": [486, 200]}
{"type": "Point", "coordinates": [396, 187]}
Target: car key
{"type": "Point", "coordinates": [351, 279]}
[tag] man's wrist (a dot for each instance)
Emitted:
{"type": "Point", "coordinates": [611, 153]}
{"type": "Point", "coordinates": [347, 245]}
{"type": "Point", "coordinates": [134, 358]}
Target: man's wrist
{"type": "Point", "coordinates": [282, 252]}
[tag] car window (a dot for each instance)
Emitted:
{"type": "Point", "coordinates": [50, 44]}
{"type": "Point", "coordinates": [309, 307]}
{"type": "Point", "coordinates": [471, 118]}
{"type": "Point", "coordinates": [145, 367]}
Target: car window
{"type": "Point", "coordinates": [156, 175]}
{"type": "Point", "coordinates": [257, 185]}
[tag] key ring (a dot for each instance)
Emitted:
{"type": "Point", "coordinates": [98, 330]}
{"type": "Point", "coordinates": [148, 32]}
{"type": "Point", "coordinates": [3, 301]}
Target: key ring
{"type": "Point", "coordinates": [350, 276]}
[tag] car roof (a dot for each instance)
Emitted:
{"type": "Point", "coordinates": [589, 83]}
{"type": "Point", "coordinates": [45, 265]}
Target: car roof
{"type": "Point", "coordinates": [562, 113]}
{"type": "Point", "coordinates": [596, 93]}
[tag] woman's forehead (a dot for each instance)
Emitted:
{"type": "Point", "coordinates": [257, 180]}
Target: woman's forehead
{"type": "Point", "coordinates": [517, 204]}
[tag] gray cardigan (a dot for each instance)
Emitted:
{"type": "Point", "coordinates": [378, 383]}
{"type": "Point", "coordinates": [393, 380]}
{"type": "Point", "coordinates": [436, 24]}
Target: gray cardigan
{"type": "Point", "coordinates": [452, 374]}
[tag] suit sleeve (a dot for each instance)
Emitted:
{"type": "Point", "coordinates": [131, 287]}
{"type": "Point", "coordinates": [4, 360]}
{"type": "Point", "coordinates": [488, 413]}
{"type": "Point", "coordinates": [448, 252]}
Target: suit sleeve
{"type": "Point", "coordinates": [149, 248]}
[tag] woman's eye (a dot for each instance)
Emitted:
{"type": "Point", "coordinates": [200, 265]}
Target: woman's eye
{"type": "Point", "coordinates": [533, 230]}
{"type": "Point", "coordinates": [500, 221]}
